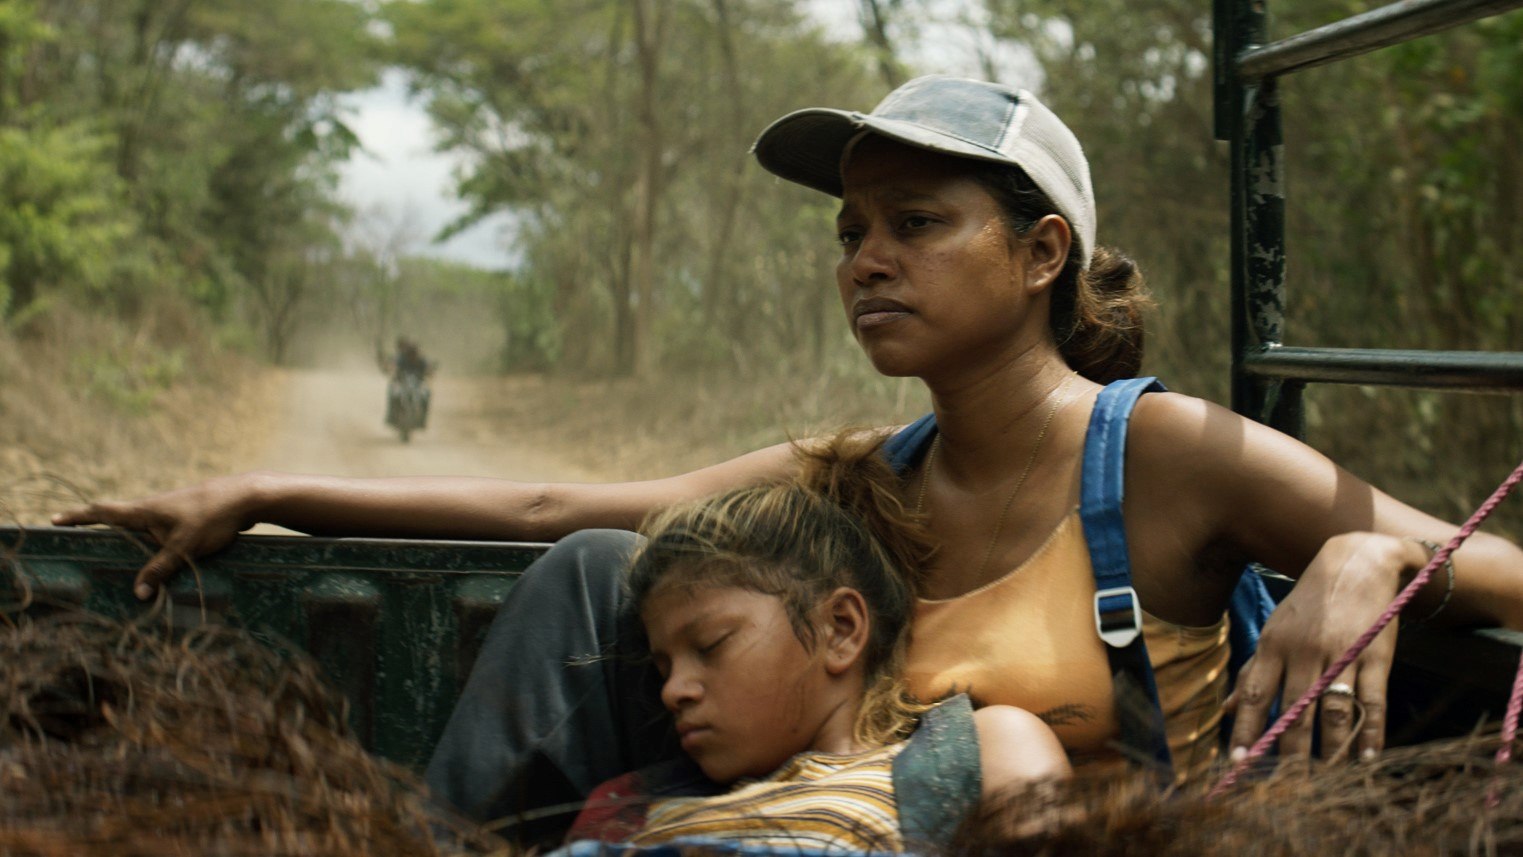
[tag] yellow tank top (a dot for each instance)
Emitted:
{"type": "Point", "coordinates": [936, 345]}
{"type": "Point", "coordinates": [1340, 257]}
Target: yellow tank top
{"type": "Point", "coordinates": [1028, 639]}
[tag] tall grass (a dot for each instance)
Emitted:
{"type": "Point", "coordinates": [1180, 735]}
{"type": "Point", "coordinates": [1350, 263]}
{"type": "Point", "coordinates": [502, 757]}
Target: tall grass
{"type": "Point", "coordinates": [94, 405]}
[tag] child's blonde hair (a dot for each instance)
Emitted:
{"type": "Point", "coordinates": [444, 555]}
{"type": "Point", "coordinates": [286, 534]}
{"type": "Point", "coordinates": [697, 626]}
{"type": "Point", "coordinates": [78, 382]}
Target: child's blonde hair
{"type": "Point", "coordinates": [842, 522]}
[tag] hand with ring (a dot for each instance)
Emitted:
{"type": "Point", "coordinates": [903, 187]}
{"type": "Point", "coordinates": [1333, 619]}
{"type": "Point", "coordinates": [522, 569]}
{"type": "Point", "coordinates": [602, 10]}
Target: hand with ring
{"type": "Point", "coordinates": [1340, 714]}
{"type": "Point", "coordinates": [1341, 594]}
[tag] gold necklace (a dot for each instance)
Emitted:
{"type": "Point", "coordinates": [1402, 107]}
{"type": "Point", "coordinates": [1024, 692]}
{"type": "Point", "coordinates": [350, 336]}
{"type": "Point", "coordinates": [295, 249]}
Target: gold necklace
{"type": "Point", "coordinates": [999, 525]}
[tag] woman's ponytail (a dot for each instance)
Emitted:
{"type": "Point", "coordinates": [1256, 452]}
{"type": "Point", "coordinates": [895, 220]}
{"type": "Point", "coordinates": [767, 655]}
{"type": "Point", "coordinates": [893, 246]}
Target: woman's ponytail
{"type": "Point", "coordinates": [1097, 316]}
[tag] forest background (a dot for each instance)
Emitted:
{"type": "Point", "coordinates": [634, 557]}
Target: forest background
{"type": "Point", "coordinates": [170, 225]}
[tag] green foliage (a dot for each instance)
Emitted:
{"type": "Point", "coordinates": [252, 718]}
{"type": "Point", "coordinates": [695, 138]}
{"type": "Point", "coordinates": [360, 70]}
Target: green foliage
{"type": "Point", "coordinates": [187, 145]}
{"type": "Point", "coordinates": [467, 318]}
{"type": "Point", "coordinates": [617, 132]}
{"type": "Point", "coordinates": [20, 31]}
{"type": "Point", "coordinates": [62, 223]}
{"type": "Point", "coordinates": [477, 320]}
{"type": "Point", "coordinates": [532, 338]}
{"type": "Point", "coordinates": [1404, 196]}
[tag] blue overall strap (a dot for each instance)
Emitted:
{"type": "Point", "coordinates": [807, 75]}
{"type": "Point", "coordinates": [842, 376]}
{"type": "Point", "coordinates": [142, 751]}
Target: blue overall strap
{"type": "Point", "coordinates": [1118, 616]}
{"type": "Point", "coordinates": [937, 776]}
{"type": "Point", "coordinates": [909, 444]}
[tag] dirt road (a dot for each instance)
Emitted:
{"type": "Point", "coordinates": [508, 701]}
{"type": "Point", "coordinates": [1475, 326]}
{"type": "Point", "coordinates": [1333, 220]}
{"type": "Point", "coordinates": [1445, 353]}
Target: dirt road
{"type": "Point", "coordinates": [332, 424]}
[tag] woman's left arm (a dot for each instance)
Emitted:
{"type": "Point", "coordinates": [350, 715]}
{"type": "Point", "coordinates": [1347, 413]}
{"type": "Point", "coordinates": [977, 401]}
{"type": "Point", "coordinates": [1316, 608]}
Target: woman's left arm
{"type": "Point", "coordinates": [1267, 497]}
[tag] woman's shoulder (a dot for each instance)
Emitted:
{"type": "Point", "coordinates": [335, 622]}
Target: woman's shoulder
{"type": "Point", "coordinates": [1189, 434]}
{"type": "Point", "coordinates": [1170, 409]}
{"type": "Point", "coordinates": [1190, 459]}
{"type": "Point", "coordinates": [1180, 431]}
{"type": "Point", "coordinates": [1193, 458]}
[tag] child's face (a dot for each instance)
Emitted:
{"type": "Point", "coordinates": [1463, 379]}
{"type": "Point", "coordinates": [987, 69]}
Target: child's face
{"type": "Point", "coordinates": [745, 692]}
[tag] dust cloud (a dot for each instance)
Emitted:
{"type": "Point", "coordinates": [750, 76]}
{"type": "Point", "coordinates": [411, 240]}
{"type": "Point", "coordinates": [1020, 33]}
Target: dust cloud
{"type": "Point", "coordinates": [332, 423]}
{"type": "Point", "coordinates": [332, 403]}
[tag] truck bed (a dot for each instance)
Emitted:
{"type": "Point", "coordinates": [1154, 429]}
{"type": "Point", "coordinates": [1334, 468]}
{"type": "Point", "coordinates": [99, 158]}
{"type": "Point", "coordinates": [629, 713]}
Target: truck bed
{"type": "Point", "coordinates": [396, 624]}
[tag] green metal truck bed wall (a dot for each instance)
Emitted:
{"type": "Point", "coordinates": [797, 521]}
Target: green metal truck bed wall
{"type": "Point", "coordinates": [395, 624]}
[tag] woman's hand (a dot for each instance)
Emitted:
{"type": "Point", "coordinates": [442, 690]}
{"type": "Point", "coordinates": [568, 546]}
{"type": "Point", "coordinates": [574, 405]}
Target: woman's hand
{"type": "Point", "coordinates": [185, 524]}
{"type": "Point", "coordinates": [1343, 591]}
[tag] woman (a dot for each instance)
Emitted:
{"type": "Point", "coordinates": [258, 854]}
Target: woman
{"type": "Point", "coordinates": [968, 260]}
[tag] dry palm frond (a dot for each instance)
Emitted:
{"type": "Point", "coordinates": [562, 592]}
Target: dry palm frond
{"type": "Point", "coordinates": [135, 739]}
{"type": "Point", "coordinates": [1429, 799]}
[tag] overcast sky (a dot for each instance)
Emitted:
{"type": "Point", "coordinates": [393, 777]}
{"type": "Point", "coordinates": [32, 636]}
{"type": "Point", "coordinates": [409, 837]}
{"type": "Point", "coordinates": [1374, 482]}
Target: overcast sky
{"type": "Point", "coordinates": [400, 176]}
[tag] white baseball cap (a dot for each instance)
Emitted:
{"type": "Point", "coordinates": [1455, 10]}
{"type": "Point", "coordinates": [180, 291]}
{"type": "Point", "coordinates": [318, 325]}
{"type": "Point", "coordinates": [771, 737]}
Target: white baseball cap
{"type": "Point", "coordinates": [954, 116]}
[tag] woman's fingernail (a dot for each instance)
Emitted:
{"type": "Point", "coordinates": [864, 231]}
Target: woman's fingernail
{"type": "Point", "coordinates": [1367, 753]}
{"type": "Point", "coordinates": [1239, 754]}
{"type": "Point", "coordinates": [144, 591]}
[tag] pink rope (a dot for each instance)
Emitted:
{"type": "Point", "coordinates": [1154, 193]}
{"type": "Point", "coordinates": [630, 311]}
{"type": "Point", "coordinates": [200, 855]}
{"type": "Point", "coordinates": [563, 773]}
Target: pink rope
{"type": "Point", "coordinates": [1510, 722]}
{"type": "Point", "coordinates": [1292, 714]}
{"type": "Point", "coordinates": [1509, 732]}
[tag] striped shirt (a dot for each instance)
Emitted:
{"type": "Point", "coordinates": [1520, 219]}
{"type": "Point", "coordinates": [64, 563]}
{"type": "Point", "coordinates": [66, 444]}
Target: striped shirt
{"type": "Point", "coordinates": [818, 801]}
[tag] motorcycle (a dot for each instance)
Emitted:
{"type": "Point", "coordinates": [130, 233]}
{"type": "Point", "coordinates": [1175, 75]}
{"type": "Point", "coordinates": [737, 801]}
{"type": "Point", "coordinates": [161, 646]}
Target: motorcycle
{"type": "Point", "coordinates": [407, 405]}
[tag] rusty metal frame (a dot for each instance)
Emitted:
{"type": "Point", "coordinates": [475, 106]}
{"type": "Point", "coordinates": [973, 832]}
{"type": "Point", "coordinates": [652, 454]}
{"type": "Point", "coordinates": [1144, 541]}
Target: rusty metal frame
{"type": "Point", "coordinates": [1268, 379]}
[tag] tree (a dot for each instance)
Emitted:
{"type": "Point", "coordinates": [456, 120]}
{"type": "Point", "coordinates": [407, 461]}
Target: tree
{"type": "Point", "coordinates": [63, 221]}
{"type": "Point", "coordinates": [188, 142]}
{"type": "Point", "coordinates": [617, 134]}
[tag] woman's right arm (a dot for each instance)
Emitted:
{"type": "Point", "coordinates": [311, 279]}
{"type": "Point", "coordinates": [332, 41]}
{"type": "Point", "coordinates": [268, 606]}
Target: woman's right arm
{"type": "Point", "coordinates": [202, 519]}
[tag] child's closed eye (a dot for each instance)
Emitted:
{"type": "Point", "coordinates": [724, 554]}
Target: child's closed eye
{"type": "Point", "coordinates": [711, 647]}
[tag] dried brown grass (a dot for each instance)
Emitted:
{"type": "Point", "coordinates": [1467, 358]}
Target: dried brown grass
{"type": "Point", "coordinates": [93, 406]}
{"type": "Point", "coordinates": [1429, 799]}
{"type": "Point", "coordinates": [631, 428]}
{"type": "Point", "coordinates": [137, 739]}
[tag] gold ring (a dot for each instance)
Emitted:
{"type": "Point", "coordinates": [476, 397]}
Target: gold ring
{"type": "Point", "coordinates": [1339, 688]}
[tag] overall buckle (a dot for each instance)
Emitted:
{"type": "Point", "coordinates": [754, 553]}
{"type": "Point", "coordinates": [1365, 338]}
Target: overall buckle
{"type": "Point", "coordinates": [1118, 616]}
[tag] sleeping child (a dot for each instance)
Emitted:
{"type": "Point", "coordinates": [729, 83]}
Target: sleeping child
{"type": "Point", "coordinates": [778, 618]}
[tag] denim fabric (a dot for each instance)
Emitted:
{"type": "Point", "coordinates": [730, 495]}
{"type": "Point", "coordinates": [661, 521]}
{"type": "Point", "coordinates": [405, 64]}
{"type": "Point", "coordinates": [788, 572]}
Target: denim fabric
{"type": "Point", "coordinates": [560, 698]}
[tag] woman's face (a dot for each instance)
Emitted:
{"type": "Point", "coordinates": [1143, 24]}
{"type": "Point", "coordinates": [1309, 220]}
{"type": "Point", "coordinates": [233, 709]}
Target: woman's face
{"type": "Point", "coordinates": [931, 276]}
{"type": "Point", "coordinates": [745, 692]}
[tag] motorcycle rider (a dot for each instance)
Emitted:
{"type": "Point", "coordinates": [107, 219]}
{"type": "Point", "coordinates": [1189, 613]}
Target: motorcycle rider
{"type": "Point", "coordinates": [409, 369]}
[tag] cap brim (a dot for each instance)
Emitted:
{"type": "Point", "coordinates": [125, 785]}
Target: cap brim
{"type": "Point", "coordinates": [806, 146]}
